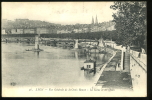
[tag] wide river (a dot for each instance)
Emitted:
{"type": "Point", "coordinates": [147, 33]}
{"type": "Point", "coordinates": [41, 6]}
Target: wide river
{"type": "Point", "coordinates": [53, 67]}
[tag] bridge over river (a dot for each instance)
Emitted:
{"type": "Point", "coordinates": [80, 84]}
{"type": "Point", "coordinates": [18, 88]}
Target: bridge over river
{"type": "Point", "coordinates": [74, 43]}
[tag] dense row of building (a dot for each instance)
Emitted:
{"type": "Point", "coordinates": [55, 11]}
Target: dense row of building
{"type": "Point", "coordinates": [94, 27]}
{"type": "Point", "coordinates": [30, 31]}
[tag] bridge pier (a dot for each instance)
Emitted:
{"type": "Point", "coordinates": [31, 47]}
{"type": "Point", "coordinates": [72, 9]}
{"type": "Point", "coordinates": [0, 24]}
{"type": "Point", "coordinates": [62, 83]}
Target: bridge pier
{"type": "Point", "coordinates": [20, 40]}
{"type": "Point", "coordinates": [76, 44]}
{"type": "Point", "coordinates": [6, 40]}
{"type": "Point", "coordinates": [101, 43]}
{"type": "Point", "coordinates": [17, 40]}
{"type": "Point", "coordinates": [37, 42]}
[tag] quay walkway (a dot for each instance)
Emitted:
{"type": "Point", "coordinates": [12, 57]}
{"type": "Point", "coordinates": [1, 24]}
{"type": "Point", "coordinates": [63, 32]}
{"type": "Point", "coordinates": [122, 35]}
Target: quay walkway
{"type": "Point", "coordinates": [113, 77]}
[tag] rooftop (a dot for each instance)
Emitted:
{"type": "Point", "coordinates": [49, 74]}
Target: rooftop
{"type": "Point", "coordinates": [89, 61]}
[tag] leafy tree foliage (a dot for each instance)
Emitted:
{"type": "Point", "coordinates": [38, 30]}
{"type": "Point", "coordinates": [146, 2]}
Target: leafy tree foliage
{"type": "Point", "coordinates": [131, 22]}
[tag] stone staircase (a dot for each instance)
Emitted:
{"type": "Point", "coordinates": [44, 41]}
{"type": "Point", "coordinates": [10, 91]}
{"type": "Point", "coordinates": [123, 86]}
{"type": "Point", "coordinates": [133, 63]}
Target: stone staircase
{"type": "Point", "coordinates": [126, 62]}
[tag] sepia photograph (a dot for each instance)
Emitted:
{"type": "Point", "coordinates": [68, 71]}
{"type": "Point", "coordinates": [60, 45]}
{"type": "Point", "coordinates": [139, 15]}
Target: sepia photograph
{"type": "Point", "coordinates": [74, 49]}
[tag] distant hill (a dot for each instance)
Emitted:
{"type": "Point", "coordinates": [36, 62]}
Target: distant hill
{"type": "Point", "coordinates": [26, 23]}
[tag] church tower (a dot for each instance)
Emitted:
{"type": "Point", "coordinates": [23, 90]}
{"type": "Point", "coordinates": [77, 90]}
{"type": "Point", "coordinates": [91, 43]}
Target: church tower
{"type": "Point", "coordinates": [96, 20]}
{"type": "Point", "coordinates": [92, 21]}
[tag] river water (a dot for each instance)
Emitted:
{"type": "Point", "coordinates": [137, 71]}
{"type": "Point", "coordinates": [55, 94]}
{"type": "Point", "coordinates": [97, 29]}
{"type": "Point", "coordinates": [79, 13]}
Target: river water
{"type": "Point", "coordinates": [53, 67]}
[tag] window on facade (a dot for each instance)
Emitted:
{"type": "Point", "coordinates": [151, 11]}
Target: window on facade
{"type": "Point", "coordinates": [88, 66]}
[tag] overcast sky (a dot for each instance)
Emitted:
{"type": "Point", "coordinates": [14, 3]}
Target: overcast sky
{"type": "Point", "coordinates": [58, 12]}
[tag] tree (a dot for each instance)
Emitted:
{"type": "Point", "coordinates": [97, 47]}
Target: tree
{"type": "Point", "coordinates": [131, 22]}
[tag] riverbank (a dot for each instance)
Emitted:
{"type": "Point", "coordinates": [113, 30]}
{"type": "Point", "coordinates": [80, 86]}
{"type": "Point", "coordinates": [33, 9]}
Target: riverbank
{"type": "Point", "coordinates": [100, 68]}
{"type": "Point", "coordinates": [110, 52]}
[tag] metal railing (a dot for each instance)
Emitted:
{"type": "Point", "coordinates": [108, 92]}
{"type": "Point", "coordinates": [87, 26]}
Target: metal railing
{"type": "Point", "coordinates": [135, 55]}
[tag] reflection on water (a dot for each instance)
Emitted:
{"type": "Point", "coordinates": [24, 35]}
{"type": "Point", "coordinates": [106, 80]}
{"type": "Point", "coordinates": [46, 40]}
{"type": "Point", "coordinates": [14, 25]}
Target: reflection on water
{"type": "Point", "coordinates": [76, 54]}
{"type": "Point", "coordinates": [52, 67]}
{"type": "Point", "coordinates": [89, 74]}
{"type": "Point", "coordinates": [37, 53]}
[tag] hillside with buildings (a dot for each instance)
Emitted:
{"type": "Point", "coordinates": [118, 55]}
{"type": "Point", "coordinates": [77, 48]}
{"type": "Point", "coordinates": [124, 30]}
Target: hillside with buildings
{"type": "Point", "coordinates": [25, 23]}
{"type": "Point", "coordinates": [26, 26]}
